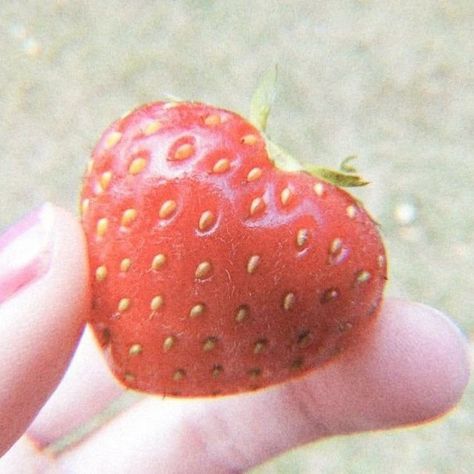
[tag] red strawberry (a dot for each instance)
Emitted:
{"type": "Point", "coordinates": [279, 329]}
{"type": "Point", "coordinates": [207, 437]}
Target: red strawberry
{"type": "Point", "coordinates": [215, 272]}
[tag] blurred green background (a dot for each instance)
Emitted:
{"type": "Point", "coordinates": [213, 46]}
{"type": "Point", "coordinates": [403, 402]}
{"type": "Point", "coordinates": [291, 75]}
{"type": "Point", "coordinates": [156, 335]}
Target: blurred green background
{"type": "Point", "coordinates": [391, 81]}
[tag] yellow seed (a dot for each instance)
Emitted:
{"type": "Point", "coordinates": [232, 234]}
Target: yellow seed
{"type": "Point", "coordinates": [156, 303]}
{"type": "Point", "coordinates": [125, 264]}
{"type": "Point", "coordinates": [380, 261]}
{"type": "Point", "coordinates": [101, 273]}
{"type": "Point", "coordinates": [252, 263]}
{"type": "Point", "coordinates": [254, 373]}
{"type": "Point", "coordinates": [212, 119]}
{"type": "Point", "coordinates": [362, 276]}
{"type": "Point", "coordinates": [129, 377]}
{"type": "Point", "coordinates": [168, 343]}
{"type": "Point", "coordinates": [242, 313]}
{"type": "Point", "coordinates": [112, 139]}
{"type": "Point", "coordinates": [249, 139]}
{"type": "Point", "coordinates": [203, 270]}
{"type": "Point", "coordinates": [318, 189]}
{"type": "Point", "coordinates": [197, 310]}
{"type": "Point", "coordinates": [285, 196]}
{"type": "Point", "coordinates": [106, 335]}
{"type": "Point", "coordinates": [351, 211]}
{"type": "Point", "coordinates": [289, 301]}
{"type": "Point", "coordinates": [257, 205]}
{"type": "Point", "coordinates": [304, 338]}
{"type": "Point", "coordinates": [179, 375]}
{"type": "Point", "coordinates": [102, 225]}
{"type": "Point", "coordinates": [260, 346]}
{"type": "Point", "coordinates": [128, 217]}
{"type": "Point", "coordinates": [209, 344]}
{"type": "Point", "coordinates": [158, 261]}
{"type": "Point", "coordinates": [152, 127]}
{"type": "Point", "coordinates": [344, 326]}
{"type": "Point", "coordinates": [135, 349]}
{"type": "Point", "coordinates": [297, 364]}
{"type": "Point", "coordinates": [167, 209]}
{"type": "Point", "coordinates": [329, 295]}
{"type": "Point", "coordinates": [183, 152]}
{"type": "Point", "coordinates": [221, 166]}
{"type": "Point", "coordinates": [105, 180]}
{"type": "Point", "coordinates": [337, 252]}
{"type": "Point", "coordinates": [123, 305]}
{"type": "Point", "coordinates": [254, 174]}
{"type": "Point", "coordinates": [217, 370]}
{"type": "Point", "coordinates": [336, 246]}
{"type": "Point", "coordinates": [206, 220]}
{"type": "Point", "coordinates": [85, 207]}
{"type": "Point", "coordinates": [137, 165]}
{"type": "Point", "coordinates": [302, 237]}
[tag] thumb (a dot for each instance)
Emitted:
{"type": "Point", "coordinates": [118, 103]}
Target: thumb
{"type": "Point", "coordinates": [44, 299]}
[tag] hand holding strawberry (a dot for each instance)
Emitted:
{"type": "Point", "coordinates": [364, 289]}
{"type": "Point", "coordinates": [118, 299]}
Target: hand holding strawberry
{"type": "Point", "coordinates": [413, 366]}
{"type": "Point", "coordinates": [285, 272]}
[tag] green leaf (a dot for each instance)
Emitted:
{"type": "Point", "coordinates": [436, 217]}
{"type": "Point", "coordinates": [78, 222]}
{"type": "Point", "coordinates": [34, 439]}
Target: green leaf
{"type": "Point", "coordinates": [345, 165]}
{"type": "Point", "coordinates": [286, 162]}
{"type": "Point", "coordinates": [263, 98]}
{"type": "Point", "coordinates": [338, 178]}
{"type": "Point", "coordinates": [260, 105]}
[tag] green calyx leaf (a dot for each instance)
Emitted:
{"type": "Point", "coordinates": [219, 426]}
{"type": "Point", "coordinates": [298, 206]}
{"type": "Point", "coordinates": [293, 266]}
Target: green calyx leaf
{"type": "Point", "coordinates": [286, 162]}
{"type": "Point", "coordinates": [345, 165]}
{"type": "Point", "coordinates": [263, 98]}
{"type": "Point", "coordinates": [260, 106]}
{"type": "Point", "coordinates": [339, 178]}
{"type": "Point", "coordinates": [346, 176]}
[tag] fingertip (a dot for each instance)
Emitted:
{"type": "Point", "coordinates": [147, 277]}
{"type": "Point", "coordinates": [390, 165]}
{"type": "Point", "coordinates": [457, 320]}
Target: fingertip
{"type": "Point", "coordinates": [414, 367]}
{"type": "Point", "coordinates": [442, 373]}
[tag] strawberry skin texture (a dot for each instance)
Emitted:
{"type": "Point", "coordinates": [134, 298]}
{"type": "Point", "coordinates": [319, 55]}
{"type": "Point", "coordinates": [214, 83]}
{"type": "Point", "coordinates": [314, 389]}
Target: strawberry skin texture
{"type": "Point", "coordinates": [214, 272]}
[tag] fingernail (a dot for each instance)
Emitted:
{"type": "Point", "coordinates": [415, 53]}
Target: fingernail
{"type": "Point", "coordinates": [25, 251]}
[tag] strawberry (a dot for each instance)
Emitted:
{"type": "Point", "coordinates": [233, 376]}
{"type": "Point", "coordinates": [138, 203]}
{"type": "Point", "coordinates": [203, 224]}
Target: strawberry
{"type": "Point", "coordinates": [215, 271]}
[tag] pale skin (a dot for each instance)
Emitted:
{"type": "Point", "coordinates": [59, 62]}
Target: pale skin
{"type": "Point", "coordinates": [413, 367]}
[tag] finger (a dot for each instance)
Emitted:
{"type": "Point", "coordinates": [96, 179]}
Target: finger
{"type": "Point", "coordinates": [44, 298]}
{"type": "Point", "coordinates": [414, 368]}
{"type": "Point", "coordinates": [411, 368]}
{"type": "Point", "coordinates": [86, 390]}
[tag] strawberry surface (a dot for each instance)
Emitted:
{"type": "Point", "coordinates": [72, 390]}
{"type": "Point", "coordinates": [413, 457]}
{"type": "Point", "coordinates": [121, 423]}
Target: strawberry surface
{"type": "Point", "coordinates": [215, 272]}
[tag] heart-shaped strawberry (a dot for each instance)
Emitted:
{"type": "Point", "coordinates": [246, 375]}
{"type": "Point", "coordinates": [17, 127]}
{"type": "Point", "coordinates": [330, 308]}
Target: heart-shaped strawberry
{"type": "Point", "coordinates": [215, 271]}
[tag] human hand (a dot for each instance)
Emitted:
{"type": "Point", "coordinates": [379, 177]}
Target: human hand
{"type": "Point", "coordinates": [413, 367]}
